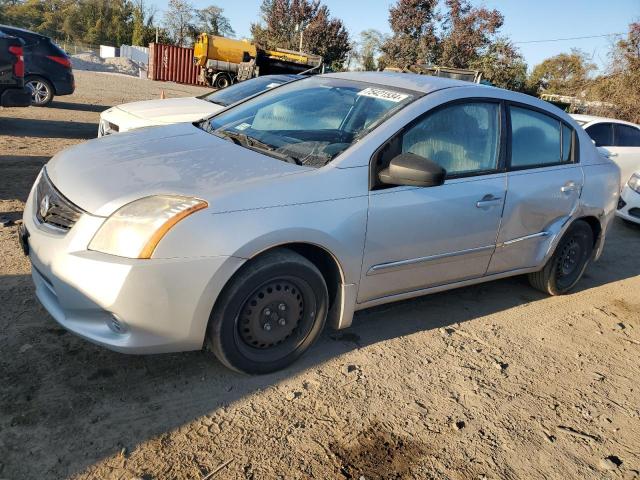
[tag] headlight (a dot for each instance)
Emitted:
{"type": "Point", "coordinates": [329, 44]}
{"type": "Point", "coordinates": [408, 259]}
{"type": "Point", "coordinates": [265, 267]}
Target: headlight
{"type": "Point", "coordinates": [634, 182]}
{"type": "Point", "coordinates": [135, 229]}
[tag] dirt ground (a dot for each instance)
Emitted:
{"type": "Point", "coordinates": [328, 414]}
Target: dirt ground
{"type": "Point", "coordinates": [493, 381]}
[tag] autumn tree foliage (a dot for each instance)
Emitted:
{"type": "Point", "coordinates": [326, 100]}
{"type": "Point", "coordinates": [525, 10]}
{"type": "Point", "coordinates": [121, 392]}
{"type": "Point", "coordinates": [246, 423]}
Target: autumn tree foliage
{"type": "Point", "coordinates": [413, 23]}
{"type": "Point", "coordinates": [280, 23]}
{"type": "Point", "coordinates": [371, 41]}
{"type": "Point", "coordinates": [502, 65]}
{"type": "Point", "coordinates": [566, 74]}
{"type": "Point", "coordinates": [452, 33]}
{"type": "Point", "coordinates": [467, 32]}
{"type": "Point", "coordinates": [620, 85]}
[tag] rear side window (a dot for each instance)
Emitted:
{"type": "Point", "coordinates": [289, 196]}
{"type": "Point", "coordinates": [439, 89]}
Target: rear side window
{"type": "Point", "coordinates": [538, 139]}
{"type": "Point", "coordinates": [462, 138]}
{"type": "Point", "coordinates": [601, 133]}
{"type": "Point", "coordinates": [626, 136]}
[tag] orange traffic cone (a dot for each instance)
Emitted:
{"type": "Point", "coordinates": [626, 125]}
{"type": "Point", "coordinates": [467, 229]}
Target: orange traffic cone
{"type": "Point", "coordinates": [162, 95]}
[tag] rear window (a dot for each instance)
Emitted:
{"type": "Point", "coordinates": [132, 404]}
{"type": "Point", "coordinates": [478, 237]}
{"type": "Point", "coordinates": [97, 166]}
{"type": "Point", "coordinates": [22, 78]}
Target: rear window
{"type": "Point", "coordinates": [245, 89]}
{"type": "Point", "coordinates": [626, 136]}
{"type": "Point", "coordinates": [601, 134]}
{"type": "Point", "coordinates": [538, 139]}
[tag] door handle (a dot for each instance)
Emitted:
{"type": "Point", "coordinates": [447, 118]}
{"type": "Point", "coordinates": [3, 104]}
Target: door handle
{"type": "Point", "coordinates": [569, 187]}
{"type": "Point", "coordinates": [488, 201]}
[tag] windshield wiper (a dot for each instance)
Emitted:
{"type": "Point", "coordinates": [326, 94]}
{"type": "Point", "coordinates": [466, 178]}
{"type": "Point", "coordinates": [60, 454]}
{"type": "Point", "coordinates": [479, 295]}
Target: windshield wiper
{"type": "Point", "coordinates": [253, 143]}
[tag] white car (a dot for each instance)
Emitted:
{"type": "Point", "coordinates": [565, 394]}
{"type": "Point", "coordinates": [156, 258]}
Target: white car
{"type": "Point", "coordinates": [629, 203]}
{"type": "Point", "coordinates": [616, 139]}
{"type": "Point", "coordinates": [149, 113]}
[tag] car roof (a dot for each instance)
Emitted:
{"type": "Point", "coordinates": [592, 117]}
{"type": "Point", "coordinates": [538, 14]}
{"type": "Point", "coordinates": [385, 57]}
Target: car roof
{"type": "Point", "coordinates": [408, 81]}
{"type": "Point", "coordinates": [21, 31]}
{"type": "Point", "coordinates": [595, 119]}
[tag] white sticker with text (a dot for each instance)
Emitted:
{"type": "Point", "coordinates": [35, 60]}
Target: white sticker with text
{"type": "Point", "coordinates": [242, 126]}
{"type": "Point", "coordinates": [383, 94]}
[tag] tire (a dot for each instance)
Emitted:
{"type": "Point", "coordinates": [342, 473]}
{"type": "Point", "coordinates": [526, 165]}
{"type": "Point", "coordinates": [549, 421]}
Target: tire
{"type": "Point", "coordinates": [41, 90]}
{"type": "Point", "coordinates": [270, 313]}
{"type": "Point", "coordinates": [222, 81]}
{"type": "Point", "coordinates": [565, 268]}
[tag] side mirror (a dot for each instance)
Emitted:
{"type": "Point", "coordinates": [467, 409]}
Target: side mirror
{"type": "Point", "coordinates": [413, 170]}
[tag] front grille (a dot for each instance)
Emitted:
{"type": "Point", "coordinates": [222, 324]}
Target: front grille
{"type": "Point", "coordinates": [52, 208]}
{"type": "Point", "coordinates": [634, 212]}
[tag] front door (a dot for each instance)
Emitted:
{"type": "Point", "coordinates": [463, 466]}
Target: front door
{"type": "Point", "coordinates": [423, 237]}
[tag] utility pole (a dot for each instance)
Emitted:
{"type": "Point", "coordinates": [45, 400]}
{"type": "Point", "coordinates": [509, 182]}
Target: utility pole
{"type": "Point", "coordinates": [300, 27]}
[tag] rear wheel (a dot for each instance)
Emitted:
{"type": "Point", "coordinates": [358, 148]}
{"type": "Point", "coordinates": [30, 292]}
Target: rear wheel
{"type": "Point", "coordinates": [222, 81]}
{"type": "Point", "coordinates": [41, 91]}
{"type": "Point", "coordinates": [568, 263]}
{"type": "Point", "coordinates": [270, 314]}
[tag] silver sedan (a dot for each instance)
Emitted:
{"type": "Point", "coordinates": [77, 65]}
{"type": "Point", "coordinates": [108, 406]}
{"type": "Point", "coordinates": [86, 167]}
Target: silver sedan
{"type": "Point", "coordinates": [249, 231]}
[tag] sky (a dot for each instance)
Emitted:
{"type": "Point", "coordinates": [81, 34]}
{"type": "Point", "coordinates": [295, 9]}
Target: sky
{"type": "Point", "coordinates": [524, 21]}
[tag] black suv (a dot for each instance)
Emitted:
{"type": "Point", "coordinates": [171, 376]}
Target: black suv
{"type": "Point", "coordinates": [13, 93]}
{"type": "Point", "coordinates": [48, 68]}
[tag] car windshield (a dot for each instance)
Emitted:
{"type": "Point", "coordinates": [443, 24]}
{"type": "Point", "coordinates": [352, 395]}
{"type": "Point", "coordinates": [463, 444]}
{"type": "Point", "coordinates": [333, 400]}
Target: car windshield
{"type": "Point", "coordinates": [311, 121]}
{"type": "Point", "coordinates": [242, 90]}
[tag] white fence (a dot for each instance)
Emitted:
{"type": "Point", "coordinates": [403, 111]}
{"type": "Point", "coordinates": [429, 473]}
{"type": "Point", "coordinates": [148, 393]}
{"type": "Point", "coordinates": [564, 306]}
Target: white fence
{"type": "Point", "coordinates": [139, 55]}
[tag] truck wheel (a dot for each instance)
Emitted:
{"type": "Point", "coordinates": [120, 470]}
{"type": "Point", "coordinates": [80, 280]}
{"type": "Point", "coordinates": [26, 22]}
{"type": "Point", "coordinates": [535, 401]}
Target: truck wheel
{"type": "Point", "coordinates": [222, 81]}
{"type": "Point", "coordinates": [270, 313]}
{"type": "Point", "coordinates": [41, 90]}
{"type": "Point", "coordinates": [568, 263]}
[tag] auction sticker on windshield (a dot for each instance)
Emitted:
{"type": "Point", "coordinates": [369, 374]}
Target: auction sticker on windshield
{"type": "Point", "coordinates": [383, 94]}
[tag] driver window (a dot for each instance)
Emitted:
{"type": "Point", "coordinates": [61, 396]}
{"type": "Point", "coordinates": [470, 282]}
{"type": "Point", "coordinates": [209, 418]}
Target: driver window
{"type": "Point", "coordinates": [461, 138]}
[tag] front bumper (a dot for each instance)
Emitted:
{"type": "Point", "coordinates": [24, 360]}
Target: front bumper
{"type": "Point", "coordinates": [629, 205]}
{"type": "Point", "coordinates": [159, 305]}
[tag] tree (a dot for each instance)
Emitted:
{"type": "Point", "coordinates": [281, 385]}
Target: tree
{"type": "Point", "coordinates": [280, 23]}
{"type": "Point", "coordinates": [618, 89]}
{"type": "Point", "coordinates": [502, 65]}
{"type": "Point", "coordinates": [371, 41]}
{"type": "Point", "coordinates": [178, 21]}
{"type": "Point", "coordinates": [458, 37]}
{"type": "Point", "coordinates": [212, 21]}
{"type": "Point", "coordinates": [414, 40]}
{"type": "Point", "coordinates": [143, 31]}
{"type": "Point", "coordinates": [566, 74]}
{"type": "Point", "coordinates": [468, 33]}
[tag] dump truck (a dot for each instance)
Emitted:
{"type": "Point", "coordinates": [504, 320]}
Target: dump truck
{"type": "Point", "coordinates": [223, 61]}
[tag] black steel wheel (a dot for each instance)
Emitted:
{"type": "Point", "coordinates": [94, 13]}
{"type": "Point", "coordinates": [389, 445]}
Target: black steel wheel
{"type": "Point", "coordinates": [270, 313]}
{"type": "Point", "coordinates": [222, 81]}
{"type": "Point", "coordinates": [568, 263]}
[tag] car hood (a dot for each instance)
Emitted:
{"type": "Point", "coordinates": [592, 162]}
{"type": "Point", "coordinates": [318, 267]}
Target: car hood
{"type": "Point", "coordinates": [171, 110]}
{"type": "Point", "coordinates": [103, 174]}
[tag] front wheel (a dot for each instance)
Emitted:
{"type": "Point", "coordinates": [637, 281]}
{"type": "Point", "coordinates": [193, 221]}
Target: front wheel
{"type": "Point", "coordinates": [568, 263]}
{"type": "Point", "coordinates": [272, 311]}
{"type": "Point", "coordinates": [41, 91]}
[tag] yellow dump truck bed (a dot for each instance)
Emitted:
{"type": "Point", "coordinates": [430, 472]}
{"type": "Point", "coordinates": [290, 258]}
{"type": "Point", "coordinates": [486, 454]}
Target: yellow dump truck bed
{"type": "Point", "coordinates": [222, 49]}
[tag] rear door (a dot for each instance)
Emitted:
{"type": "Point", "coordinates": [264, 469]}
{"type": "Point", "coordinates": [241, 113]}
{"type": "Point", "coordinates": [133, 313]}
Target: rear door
{"type": "Point", "coordinates": [544, 185]}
